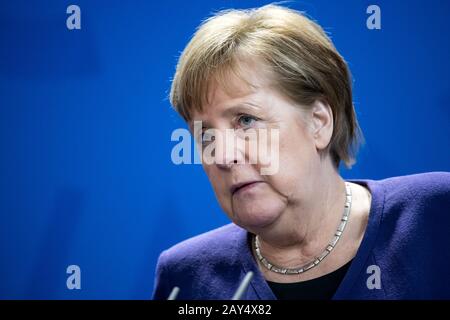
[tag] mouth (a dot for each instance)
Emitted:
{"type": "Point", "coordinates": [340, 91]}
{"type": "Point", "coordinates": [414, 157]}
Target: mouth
{"type": "Point", "coordinates": [242, 186]}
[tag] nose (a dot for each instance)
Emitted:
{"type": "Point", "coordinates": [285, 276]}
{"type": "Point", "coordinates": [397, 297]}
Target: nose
{"type": "Point", "coordinates": [229, 150]}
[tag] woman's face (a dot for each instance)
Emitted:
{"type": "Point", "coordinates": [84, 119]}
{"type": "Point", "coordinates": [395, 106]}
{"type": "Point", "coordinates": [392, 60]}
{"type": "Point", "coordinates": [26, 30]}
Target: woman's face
{"type": "Point", "coordinates": [250, 198]}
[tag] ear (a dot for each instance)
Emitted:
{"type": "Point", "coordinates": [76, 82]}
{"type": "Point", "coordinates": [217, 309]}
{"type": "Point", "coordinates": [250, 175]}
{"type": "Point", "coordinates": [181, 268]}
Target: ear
{"type": "Point", "coordinates": [322, 124]}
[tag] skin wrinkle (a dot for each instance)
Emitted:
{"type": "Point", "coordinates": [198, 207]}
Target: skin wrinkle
{"type": "Point", "coordinates": [295, 220]}
{"type": "Point", "coordinates": [283, 62]}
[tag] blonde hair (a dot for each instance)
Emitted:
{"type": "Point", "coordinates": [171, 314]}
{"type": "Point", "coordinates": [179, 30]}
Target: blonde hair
{"type": "Point", "coordinates": [302, 59]}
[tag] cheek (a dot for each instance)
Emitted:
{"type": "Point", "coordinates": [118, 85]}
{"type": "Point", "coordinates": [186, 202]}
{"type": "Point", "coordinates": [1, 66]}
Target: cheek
{"type": "Point", "coordinates": [297, 145]}
{"type": "Point", "coordinates": [296, 154]}
{"type": "Point", "coordinates": [291, 144]}
{"type": "Point", "coordinates": [218, 185]}
{"type": "Point", "coordinates": [213, 178]}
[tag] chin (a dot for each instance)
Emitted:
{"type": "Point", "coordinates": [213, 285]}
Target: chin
{"type": "Point", "coordinates": [256, 214]}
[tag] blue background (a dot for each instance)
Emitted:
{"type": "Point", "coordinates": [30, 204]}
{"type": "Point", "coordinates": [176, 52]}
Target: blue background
{"type": "Point", "coordinates": [86, 176]}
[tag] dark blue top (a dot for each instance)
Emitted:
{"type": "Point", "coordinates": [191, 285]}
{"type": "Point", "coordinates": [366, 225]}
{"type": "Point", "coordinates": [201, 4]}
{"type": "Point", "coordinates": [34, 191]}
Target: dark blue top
{"type": "Point", "coordinates": [320, 288]}
{"type": "Point", "coordinates": [406, 244]}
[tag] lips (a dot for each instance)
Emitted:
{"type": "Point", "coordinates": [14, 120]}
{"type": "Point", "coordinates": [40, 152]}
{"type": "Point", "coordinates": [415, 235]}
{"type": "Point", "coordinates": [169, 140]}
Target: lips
{"type": "Point", "coordinates": [236, 187]}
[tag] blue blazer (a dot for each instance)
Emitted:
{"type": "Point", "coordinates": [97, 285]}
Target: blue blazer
{"type": "Point", "coordinates": [407, 239]}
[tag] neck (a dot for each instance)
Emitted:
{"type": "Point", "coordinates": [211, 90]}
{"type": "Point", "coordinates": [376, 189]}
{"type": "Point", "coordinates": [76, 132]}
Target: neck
{"type": "Point", "coordinates": [306, 226]}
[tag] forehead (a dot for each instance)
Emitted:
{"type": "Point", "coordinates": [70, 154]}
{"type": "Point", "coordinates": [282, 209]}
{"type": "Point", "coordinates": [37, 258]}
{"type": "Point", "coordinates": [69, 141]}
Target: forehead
{"type": "Point", "coordinates": [242, 85]}
{"type": "Point", "coordinates": [224, 103]}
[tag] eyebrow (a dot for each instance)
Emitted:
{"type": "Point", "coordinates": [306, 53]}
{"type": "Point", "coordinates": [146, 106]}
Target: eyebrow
{"type": "Point", "coordinates": [241, 106]}
{"type": "Point", "coordinates": [230, 111]}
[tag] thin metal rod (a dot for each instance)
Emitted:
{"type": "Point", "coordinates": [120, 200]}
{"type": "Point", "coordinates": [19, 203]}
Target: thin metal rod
{"type": "Point", "coordinates": [173, 295]}
{"type": "Point", "coordinates": [243, 286]}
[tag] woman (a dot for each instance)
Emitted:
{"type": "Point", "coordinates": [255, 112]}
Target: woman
{"type": "Point", "coordinates": [303, 231]}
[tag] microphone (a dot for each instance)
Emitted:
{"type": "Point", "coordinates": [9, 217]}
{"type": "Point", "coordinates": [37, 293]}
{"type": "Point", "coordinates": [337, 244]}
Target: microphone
{"type": "Point", "coordinates": [243, 286]}
{"type": "Point", "coordinates": [237, 295]}
{"type": "Point", "coordinates": [174, 293]}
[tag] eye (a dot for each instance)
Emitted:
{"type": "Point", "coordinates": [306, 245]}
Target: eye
{"type": "Point", "coordinates": [246, 120]}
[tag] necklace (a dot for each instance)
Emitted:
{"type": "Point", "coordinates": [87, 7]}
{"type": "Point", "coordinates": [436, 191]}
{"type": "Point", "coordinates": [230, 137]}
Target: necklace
{"type": "Point", "coordinates": [274, 268]}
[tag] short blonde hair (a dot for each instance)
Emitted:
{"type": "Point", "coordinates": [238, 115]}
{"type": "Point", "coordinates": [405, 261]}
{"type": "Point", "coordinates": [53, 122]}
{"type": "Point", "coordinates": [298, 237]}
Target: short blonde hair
{"type": "Point", "coordinates": [305, 64]}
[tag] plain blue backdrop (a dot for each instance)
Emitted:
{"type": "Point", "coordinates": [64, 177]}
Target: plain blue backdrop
{"type": "Point", "coordinates": [86, 176]}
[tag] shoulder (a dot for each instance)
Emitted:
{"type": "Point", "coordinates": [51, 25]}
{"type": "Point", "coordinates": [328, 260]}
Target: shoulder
{"type": "Point", "coordinates": [429, 184]}
{"type": "Point", "coordinates": [415, 206]}
{"type": "Point", "coordinates": [205, 266]}
{"type": "Point", "coordinates": [221, 244]}
{"type": "Point", "coordinates": [417, 193]}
